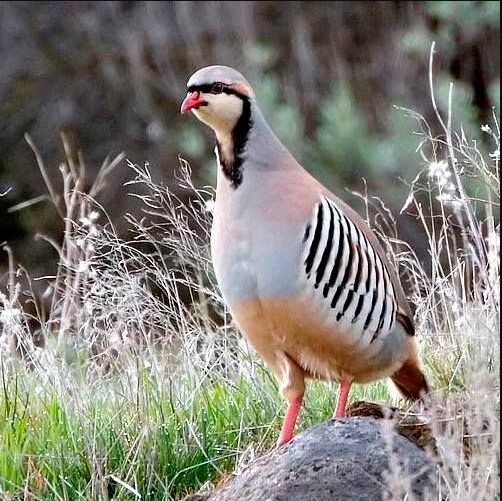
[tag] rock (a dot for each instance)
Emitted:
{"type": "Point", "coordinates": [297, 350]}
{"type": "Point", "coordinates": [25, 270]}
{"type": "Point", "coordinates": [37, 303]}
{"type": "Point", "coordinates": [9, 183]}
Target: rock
{"type": "Point", "coordinates": [413, 425]}
{"type": "Point", "coordinates": [342, 459]}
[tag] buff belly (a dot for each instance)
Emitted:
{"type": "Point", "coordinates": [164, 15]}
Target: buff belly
{"type": "Point", "coordinates": [277, 327]}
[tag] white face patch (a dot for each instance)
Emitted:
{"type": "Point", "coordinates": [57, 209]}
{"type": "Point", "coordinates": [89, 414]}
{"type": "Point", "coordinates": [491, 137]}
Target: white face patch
{"type": "Point", "coordinates": [221, 112]}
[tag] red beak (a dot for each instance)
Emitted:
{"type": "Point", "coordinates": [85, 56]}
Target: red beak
{"type": "Point", "coordinates": [192, 101]}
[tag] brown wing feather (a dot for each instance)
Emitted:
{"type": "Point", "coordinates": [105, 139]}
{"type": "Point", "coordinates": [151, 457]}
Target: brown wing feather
{"type": "Point", "coordinates": [410, 381]}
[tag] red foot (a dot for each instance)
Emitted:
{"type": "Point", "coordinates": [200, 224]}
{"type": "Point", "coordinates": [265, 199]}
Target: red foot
{"type": "Point", "coordinates": [343, 394]}
{"type": "Point", "coordinates": [288, 426]}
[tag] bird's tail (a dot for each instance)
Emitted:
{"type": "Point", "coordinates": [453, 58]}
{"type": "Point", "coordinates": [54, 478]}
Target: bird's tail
{"type": "Point", "coordinates": [411, 381]}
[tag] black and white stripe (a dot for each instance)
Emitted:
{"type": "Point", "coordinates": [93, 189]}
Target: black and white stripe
{"type": "Point", "coordinates": [347, 273]}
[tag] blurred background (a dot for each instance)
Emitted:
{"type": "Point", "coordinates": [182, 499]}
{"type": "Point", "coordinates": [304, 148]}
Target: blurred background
{"type": "Point", "coordinates": [328, 75]}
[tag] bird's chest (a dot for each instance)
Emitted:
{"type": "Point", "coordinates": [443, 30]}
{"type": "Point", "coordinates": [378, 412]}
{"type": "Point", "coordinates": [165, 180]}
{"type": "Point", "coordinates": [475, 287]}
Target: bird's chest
{"type": "Point", "coordinates": [254, 256]}
{"type": "Point", "coordinates": [233, 260]}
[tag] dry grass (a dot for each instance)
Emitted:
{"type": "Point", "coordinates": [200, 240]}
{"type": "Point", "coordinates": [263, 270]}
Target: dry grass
{"type": "Point", "coordinates": [144, 388]}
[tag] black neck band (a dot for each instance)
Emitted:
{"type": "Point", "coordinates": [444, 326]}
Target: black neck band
{"type": "Point", "coordinates": [232, 169]}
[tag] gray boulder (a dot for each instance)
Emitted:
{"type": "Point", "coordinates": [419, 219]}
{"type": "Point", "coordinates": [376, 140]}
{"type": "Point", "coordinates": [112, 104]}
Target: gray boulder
{"type": "Point", "coordinates": [357, 458]}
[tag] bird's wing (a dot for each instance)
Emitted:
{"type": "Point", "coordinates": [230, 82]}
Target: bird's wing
{"type": "Point", "coordinates": [346, 267]}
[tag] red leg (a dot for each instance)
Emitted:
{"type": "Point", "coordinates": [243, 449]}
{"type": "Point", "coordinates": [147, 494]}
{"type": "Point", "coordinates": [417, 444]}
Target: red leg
{"type": "Point", "coordinates": [288, 426]}
{"type": "Point", "coordinates": [343, 394]}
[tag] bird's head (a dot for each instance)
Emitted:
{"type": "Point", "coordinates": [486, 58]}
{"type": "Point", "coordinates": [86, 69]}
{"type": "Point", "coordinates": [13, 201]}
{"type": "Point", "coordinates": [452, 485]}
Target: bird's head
{"type": "Point", "coordinates": [217, 96]}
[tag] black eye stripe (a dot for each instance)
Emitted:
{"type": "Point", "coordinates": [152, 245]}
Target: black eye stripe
{"type": "Point", "coordinates": [207, 88]}
{"type": "Point", "coordinates": [200, 88]}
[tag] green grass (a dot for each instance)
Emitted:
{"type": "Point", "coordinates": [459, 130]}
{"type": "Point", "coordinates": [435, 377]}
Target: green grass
{"type": "Point", "coordinates": [158, 440]}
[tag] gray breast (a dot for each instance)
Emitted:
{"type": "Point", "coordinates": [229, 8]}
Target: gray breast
{"type": "Point", "coordinates": [256, 257]}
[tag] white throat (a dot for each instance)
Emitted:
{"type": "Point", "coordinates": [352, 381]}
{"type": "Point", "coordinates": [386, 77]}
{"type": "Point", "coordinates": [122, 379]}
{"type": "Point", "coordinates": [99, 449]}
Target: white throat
{"type": "Point", "coordinates": [226, 142]}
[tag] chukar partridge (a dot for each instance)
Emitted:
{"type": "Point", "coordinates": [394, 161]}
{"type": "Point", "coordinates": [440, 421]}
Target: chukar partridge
{"type": "Point", "coordinates": [304, 277]}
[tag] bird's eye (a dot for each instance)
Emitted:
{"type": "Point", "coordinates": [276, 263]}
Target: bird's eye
{"type": "Point", "coordinates": [217, 88]}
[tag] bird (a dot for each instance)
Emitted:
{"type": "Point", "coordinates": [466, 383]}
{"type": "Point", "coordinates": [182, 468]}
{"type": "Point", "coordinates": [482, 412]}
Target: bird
{"type": "Point", "coordinates": [304, 277]}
